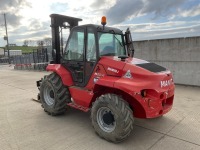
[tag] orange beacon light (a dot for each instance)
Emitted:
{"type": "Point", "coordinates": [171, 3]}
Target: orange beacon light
{"type": "Point", "coordinates": [103, 21]}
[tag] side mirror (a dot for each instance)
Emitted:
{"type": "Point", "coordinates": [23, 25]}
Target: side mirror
{"type": "Point", "coordinates": [129, 43]}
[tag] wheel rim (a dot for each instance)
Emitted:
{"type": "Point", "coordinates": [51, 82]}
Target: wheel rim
{"type": "Point", "coordinates": [49, 95]}
{"type": "Point", "coordinates": [105, 119]}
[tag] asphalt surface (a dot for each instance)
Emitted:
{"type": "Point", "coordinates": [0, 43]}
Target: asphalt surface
{"type": "Point", "coordinates": [25, 126]}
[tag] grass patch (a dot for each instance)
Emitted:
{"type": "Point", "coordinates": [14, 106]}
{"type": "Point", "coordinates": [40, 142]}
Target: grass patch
{"type": "Point", "coordinates": [25, 49]}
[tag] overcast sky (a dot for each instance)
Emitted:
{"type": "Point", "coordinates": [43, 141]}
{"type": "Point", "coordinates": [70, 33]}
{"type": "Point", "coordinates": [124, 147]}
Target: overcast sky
{"type": "Point", "coordinates": [147, 19]}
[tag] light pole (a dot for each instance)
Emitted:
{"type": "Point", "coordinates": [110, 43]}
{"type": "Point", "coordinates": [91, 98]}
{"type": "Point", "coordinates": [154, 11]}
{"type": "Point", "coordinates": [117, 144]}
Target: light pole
{"type": "Point", "coordinates": [7, 38]}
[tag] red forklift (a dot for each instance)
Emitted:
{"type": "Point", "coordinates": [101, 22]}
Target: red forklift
{"type": "Point", "coordinates": [97, 72]}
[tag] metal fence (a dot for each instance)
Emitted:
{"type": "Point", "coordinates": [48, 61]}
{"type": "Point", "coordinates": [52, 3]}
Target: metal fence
{"type": "Point", "coordinates": [4, 60]}
{"type": "Point", "coordinates": [37, 56]}
{"type": "Point", "coordinates": [36, 60]}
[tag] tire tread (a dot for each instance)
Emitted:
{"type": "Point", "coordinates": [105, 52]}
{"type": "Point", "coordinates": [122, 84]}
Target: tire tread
{"type": "Point", "coordinates": [62, 95]}
{"type": "Point", "coordinates": [121, 106]}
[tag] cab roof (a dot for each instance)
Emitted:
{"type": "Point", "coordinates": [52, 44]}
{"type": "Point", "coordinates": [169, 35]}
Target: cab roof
{"type": "Point", "coordinates": [99, 28]}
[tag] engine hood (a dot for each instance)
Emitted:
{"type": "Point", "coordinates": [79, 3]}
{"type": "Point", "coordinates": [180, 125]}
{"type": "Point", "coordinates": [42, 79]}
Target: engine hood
{"type": "Point", "coordinates": [140, 72]}
{"type": "Point", "coordinates": [115, 66]}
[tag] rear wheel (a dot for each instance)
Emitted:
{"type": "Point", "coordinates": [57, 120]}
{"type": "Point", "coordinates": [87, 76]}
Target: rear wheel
{"type": "Point", "coordinates": [112, 118]}
{"type": "Point", "coordinates": [54, 96]}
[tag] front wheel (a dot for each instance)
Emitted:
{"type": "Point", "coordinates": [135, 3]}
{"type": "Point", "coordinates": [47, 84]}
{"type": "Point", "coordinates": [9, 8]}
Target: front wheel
{"type": "Point", "coordinates": [112, 118]}
{"type": "Point", "coordinates": [54, 96]}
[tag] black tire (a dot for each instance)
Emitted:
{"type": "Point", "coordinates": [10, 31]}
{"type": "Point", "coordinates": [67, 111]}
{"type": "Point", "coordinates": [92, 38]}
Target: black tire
{"type": "Point", "coordinates": [54, 96]}
{"type": "Point", "coordinates": [116, 123]}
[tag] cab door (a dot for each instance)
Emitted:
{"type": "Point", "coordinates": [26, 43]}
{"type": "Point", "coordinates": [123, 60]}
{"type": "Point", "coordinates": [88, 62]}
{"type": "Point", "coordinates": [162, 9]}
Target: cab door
{"type": "Point", "coordinates": [80, 56]}
{"type": "Point", "coordinates": [91, 53]}
{"type": "Point", "coordinates": [74, 55]}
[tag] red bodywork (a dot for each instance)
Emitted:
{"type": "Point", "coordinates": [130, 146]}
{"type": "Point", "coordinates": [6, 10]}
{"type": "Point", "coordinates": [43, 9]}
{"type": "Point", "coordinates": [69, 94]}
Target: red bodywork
{"type": "Point", "coordinates": [109, 76]}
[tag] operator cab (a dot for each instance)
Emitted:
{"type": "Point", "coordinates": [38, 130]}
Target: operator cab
{"type": "Point", "coordinates": [86, 45]}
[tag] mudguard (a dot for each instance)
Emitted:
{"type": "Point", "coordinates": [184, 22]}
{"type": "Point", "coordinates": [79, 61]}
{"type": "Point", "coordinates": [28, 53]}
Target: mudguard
{"type": "Point", "coordinates": [62, 72]}
{"type": "Point", "coordinates": [110, 84]}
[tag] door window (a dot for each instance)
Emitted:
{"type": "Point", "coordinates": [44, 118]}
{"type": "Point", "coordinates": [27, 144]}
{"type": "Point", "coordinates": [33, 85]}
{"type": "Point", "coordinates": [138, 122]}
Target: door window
{"type": "Point", "coordinates": [91, 46]}
{"type": "Point", "coordinates": [75, 48]}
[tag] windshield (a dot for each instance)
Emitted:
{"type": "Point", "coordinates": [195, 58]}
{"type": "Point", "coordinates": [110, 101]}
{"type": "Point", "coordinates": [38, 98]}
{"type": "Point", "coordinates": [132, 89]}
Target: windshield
{"type": "Point", "coordinates": [111, 44]}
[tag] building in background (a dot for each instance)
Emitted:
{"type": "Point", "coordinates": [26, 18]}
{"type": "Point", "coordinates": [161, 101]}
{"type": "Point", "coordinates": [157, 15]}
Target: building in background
{"type": "Point", "coordinates": [2, 52]}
